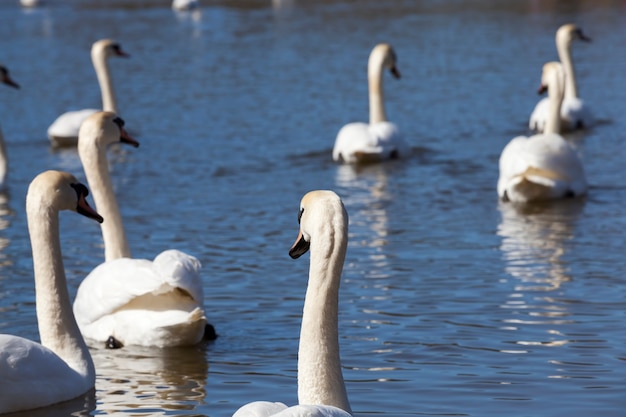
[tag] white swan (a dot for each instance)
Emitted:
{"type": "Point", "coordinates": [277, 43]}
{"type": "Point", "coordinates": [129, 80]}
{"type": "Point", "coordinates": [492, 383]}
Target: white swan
{"type": "Point", "coordinates": [543, 166]}
{"type": "Point", "coordinates": [321, 389]}
{"type": "Point", "coordinates": [34, 375]}
{"type": "Point", "coordinates": [4, 162]}
{"type": "Point", "coordinates": [64, 130]}
{"type": "Point", "coordinates": [380, 139]}
{"type": "Point", "coordinates": [128, 301]}
{"type": "Point", "coordinates": [574, 113]}
{"type": "Point", "coordinates": [184, 5]}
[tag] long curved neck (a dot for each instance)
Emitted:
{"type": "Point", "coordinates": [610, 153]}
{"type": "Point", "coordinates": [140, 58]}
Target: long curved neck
{"type": "Point", "coordinates": [555, 99]}
{"type": "Point", "coordinates": [57, 326]}
{"type": "Point", "coordinates": [320, 380]}
{"type": "Point", "coordinates": [563, 47]}
{"type": "Point", "coordinates": [375, 84]}
{"type": "Point", "coordinates": [3, 160]}
{"type": "Point", "coordinates": [104, 80]}
{"type": "Point", "coordinates": [97, 172]}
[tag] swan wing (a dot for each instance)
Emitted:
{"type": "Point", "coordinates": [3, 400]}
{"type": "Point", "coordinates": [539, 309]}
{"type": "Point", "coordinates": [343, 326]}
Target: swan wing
{"type": "Point", "coordinates": [361, 142]}
{"type": "Point", "coordinates": [575, 114]}
{"type": "Point", "coordinates": [260, 409]}
{"type": "Point", "coordinates": [68, 124]}
{"type": "Point", "coordinates": [31, 376]}
{"type": "Point", "coordinates": [539, 115]}
{"type": "Point", "coordinates": [180, 270]}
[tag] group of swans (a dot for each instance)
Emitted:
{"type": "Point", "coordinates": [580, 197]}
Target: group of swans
{"type": "Point", "coordinates": [64, 130]}
{"type": "Point", "coordinates": [4, 79]}
{"type": "Point", "coordinates": [126, 301]}
{"type": "Point", "coordinates": [546, 166]}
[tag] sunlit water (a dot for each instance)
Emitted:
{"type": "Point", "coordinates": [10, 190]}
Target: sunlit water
{"type": "Point", "coordinates": [451, 303]}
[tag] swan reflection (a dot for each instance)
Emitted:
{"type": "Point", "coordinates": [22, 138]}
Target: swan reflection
{"type": "Point", "coordinates": [534, 246]}
{"type": "Point", "coordinates": [143, 380]}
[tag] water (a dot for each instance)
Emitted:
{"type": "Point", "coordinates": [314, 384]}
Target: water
{"type": "Point", "coordinates": [451, 303]}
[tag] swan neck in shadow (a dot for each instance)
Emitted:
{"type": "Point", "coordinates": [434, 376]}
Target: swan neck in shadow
{"type": "Point", "coordinates": [564, 49]}
{"type": "Point", "coordinates": [58, 330]}
{"type": "Point", "coordinates": [100, 64]}
{"type": "Point", "coordinates": [320, 379]}
{"type": "Point", "coordinates": [96, 167]}
{"type": "Point", "coordinates": [375, 87]}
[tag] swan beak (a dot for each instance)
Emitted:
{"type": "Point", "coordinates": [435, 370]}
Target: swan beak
{"type": "Point", "coordinates": [126, 138]}
{"type": "Point", "coordinates": [85, 209]}
{"type": "Point", "coordinates": [300, 247]}
{"type": "Point", "coordinates": [395, 72]}
{"type": "Point", "coordinates": [8, 81]}
{"type": "Point", "coordinates": [542, 89]}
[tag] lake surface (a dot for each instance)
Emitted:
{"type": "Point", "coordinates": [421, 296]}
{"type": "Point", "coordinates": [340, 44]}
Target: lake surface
{"type": "Point", "coordinates": [451, 304]}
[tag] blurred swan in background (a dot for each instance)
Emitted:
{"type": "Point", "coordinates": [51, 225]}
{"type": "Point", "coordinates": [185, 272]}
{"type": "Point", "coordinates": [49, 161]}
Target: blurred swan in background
{"type": "Point", "coordinates": [4, 162]}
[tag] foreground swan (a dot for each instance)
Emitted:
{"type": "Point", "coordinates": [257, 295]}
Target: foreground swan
{"type": "Point", "coordinates": [574, 113]}
{"type": "Point", "coordinates": [64, 130]}
{"type": "Point", "coordinates": [128, 301]}
{"type": "Point", "coordinates": [543, 166]}
{"type": "Point", "coordinates": [4, 162]}
{"type": "Point", "coordinates": [321, 390]}
{"type": "Point", "coordinates": [34, 375]}
{"type": "Point", "coordinates": [380, 139]}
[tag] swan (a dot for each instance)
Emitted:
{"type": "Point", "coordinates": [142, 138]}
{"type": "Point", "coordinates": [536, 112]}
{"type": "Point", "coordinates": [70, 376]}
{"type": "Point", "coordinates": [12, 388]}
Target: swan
{"type": "Point", "coordinates": [379, 140]}
{"type": "Point", "coordinates": [34, 375]}
{"type": "Point", "coordinates": [64, 130]}
{"type": "Point", "coordinates": [321, 389]}
{"type": "Point", "coordinates": [183, 5]}
{"type": "Point", "coordinates": [126, 301]}
{"type": "Point", "coordinates": [543, 166]}
{"type": "Point", "coordinates": [4, 163]}
{"type": "Point", "coordinates": [574, 113]}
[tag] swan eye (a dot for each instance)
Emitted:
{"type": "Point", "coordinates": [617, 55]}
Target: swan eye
{"type": "Point", "coordinates": [119, 121]}
{"type": "Point", "coordinates": [300, 215]}
{"type": "Point", "coordinates": [80, 189]}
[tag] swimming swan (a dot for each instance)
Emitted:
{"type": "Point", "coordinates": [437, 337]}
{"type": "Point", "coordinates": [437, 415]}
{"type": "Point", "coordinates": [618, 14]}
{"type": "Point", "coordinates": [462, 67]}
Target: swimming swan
{"type": "Point", "coordinates": [574, 113]}
{"type": "Point", "coordinates": [4, 162]}
{"type": "Point", "coordinates": [64, 130]}
{"type": "Point", "coordinates": [380, 139]}
{"type": "Point", "coordinates": [185, 5]}
{"type": "Point", "coordinates": [543, 166]}
{"type": "Point", "coordinates": [34, 375]}
{"type": "Point", "coordinates": [321, 389]}
{"type": "Point", "coordinates": [126, 301]}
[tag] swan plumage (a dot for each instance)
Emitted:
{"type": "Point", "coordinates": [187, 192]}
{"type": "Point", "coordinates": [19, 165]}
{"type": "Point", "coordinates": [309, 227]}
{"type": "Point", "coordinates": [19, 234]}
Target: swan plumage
{"type": "Point", "coordinates": [185, 5]}
{"type": "Point", "coordinates": [60, 368]}
{"type": "Point", "coordinates": [575, 114]}
{"type": "Point", "coordinates": [379, 139]}
{"type": "Point", "coordinates": [542, 166]}
{"type": "Point", "coordinates": [133, 301]}
{"type": "Point", "coordinates": [64, 130]}
{"type": "Point", "coordinates": [321, 389]}
{"type": "Point", "coordinates": [4, 163]}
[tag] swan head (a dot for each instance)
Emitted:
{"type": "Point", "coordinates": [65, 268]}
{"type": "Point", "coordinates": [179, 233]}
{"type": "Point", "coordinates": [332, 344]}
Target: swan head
{"type": "Point", "coordinates": [60, 190]}
{"type": "Point", "coordinates": [320, 211]}
{"type": "Point", "coordinates": [103, 128]}
{"type": "Point", "coordinates": [569, 32]}
{"type": "Point", "coordinates": [6, 79]}
{"type": "Point", "coordinates": [552, 78]}
{"type": "Point", "coordinates": [107, 48]}
{"type": "Point", "coordinates": [384, 55]}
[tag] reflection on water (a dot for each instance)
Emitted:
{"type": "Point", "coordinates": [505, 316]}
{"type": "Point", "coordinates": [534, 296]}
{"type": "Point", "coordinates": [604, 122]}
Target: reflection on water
{"type": "Point", "coordinates": [534, 246]}
{"type": "Point", "coordinates": [166, 379]}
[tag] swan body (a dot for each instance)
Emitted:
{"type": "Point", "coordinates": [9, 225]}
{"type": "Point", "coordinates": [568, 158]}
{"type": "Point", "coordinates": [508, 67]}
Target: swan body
{"type": "Point", "coordinates": [133, 301]}
{"type": "Point", "coordinates": [379, 139]}
{"type": "Point", "coordinates": [4, 162]}
{"type": "Point", "coordinates": [64, 130]}
{"type": "Point", "coordinates": [574, 113]}
{"type": "Point", "coordinates": [321, 389]}
{"type": "Point", "coordinates": [543, 166]}
{"type": "Point", "coordinates": [184, 5]}
{"type": "Point", "coordinates": [34, 375]}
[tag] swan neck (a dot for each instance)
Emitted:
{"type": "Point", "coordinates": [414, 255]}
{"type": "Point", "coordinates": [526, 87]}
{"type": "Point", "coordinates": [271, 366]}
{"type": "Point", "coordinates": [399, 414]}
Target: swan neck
{"type": "Point", "coordinates": [4, 165]}
{"type": "Point", "coordinates": [96, 168]}
{"type": "Point", "coordinates": [375, 87]}
{"type": "Point", "coordinates": [555, 99]}
{"type": "Point", "coordinates": [320, 379]}
{"type": "Point", "coordinates": [564, 50]}
{"type": "Point", "coordinates": [101, 66]}
{"type": "Point", "coordinates": [58, 330]}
